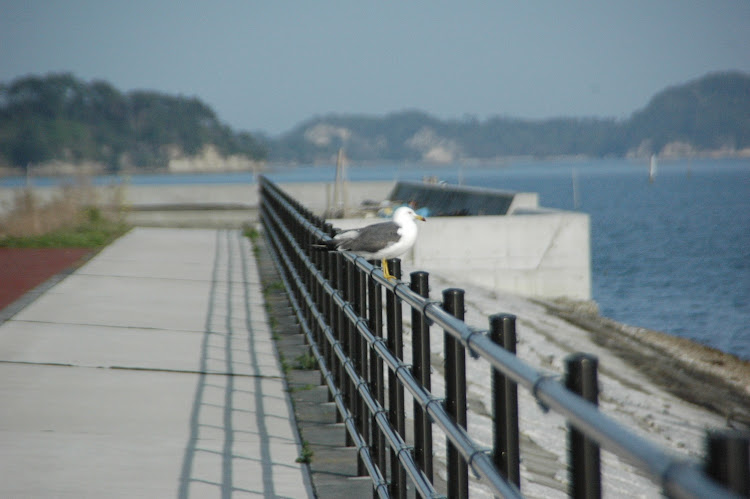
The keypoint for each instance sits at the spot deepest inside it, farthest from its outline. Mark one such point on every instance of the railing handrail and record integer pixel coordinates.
(678, 477)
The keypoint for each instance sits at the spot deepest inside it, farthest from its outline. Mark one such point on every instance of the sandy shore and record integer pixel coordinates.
(679, 365)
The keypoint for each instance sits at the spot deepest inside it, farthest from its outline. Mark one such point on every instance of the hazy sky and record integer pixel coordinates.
(270, 65)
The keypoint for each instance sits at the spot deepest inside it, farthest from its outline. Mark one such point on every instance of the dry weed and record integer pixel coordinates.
(70, 207)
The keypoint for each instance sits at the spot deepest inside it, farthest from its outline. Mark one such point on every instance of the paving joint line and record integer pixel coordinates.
(136, 368)
(116, 326)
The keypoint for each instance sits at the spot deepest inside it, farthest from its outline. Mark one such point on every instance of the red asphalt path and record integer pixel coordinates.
(23, 269)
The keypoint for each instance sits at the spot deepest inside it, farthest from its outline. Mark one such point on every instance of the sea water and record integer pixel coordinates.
(671, 255)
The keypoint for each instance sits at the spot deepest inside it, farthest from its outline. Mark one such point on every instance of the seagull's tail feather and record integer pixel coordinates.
(329, 245)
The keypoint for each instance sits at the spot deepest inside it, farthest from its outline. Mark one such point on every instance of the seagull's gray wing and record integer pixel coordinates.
(371, 239)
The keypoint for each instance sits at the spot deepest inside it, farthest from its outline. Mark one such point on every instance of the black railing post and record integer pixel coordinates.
(342, 335)
(316, 293)
(360, 359)
(420, 351)
(377, 384)
(352, 341)
(325, 313)
(455, 394)
(307, 280)
(728, 459)
(395, 344)
(333, 322)
(505, 404)
(584, 465)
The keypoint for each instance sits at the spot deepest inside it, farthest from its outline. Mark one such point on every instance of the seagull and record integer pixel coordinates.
(380, 241)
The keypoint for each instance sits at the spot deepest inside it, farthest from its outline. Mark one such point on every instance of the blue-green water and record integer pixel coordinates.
(672, 255)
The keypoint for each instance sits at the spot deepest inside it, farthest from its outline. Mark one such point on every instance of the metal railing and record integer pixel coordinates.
(338, 300)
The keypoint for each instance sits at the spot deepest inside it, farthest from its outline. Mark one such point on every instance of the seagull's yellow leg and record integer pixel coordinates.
(386, 273)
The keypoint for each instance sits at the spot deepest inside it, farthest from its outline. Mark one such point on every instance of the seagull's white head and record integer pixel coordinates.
(404, 214)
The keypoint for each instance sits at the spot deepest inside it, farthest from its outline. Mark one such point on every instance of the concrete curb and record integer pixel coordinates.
(333, 466)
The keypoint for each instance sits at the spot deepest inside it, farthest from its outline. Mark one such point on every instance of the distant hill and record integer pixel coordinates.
(57, 117)
(60, 118)
(706, 115)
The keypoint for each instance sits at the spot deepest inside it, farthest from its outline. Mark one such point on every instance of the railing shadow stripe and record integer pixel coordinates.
(260, 416)
(226, 455)
(192, 444)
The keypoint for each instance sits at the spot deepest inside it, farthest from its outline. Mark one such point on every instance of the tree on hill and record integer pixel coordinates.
(710, 113)
(57, 117)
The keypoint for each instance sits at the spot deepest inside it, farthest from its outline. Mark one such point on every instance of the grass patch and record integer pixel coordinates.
(273, 287)
(302, 388)
(306, 454)
(273, 322)
(86, 235)
(286, 367)
(307, 362)
(251, 233)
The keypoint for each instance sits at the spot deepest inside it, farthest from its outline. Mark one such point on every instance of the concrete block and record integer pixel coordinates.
(543, 253)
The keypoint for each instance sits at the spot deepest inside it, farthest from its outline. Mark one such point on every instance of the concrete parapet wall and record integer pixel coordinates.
(540, 253)
(318, 196)
(206, 218)
(524, 200)
(207, 205)
(141, 196)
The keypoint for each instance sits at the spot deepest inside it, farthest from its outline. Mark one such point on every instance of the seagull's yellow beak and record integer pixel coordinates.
(420, 217)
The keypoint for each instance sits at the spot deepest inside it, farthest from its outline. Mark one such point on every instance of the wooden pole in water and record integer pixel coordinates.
(340, 188)
(652, 169)
(337, 202)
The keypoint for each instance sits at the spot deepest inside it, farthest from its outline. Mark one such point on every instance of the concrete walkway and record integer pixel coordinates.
(149, 372)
